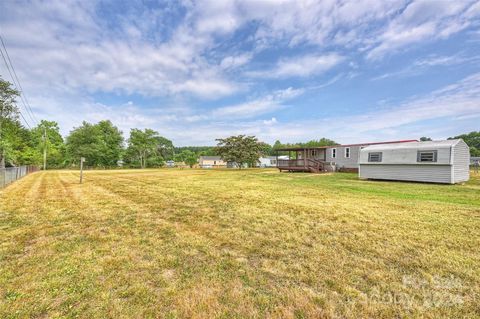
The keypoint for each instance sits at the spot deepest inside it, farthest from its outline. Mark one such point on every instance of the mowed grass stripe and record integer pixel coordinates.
(254, 243)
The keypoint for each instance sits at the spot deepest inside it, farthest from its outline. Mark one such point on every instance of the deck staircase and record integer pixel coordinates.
(315, 166)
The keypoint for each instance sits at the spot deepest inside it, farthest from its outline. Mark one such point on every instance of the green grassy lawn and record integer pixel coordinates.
(234, 244)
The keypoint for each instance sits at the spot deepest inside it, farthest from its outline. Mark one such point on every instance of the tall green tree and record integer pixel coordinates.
(277, 145)
(8, 117)
(20, 148)
(101, 144)
(148, 148)
(240, 149)
(112, 146)
(188, 157)
(191, 159)
(312, 143)
(165, 147)
(266, 149)
(143, 144)
(52, 142)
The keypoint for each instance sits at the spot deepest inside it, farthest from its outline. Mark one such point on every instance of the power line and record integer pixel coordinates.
(29, 109)
(16, 83)
(8, 68)
(25, 120)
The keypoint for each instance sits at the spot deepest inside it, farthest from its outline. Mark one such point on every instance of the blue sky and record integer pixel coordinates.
(352, 71)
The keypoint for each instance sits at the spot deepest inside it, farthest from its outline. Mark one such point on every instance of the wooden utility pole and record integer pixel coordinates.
(2, 151)
(44, 147)
(82, 159)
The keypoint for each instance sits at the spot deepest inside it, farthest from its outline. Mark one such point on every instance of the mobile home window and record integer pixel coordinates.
(375, 157)
(334, 152)
(347, 152)
(426, 156)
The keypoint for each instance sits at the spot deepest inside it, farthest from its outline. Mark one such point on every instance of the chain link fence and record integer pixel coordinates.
(11, 174)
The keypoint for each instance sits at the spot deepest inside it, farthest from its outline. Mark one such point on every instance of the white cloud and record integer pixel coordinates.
(419, 66)
(422, 21)
(302, 66)
(188, 51)
(266, 104)
(315, 22)
(272, 121)
(460, 98)
(307, 65)
(68, 46)
(454, 103)
(459, 101)
(230, 62)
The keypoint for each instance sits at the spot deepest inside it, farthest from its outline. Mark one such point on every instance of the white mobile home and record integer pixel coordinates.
(432, 161)
(325, 158)
(270, 161)
(345, 157)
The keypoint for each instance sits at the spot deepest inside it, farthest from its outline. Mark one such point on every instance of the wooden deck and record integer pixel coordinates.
(301, 165)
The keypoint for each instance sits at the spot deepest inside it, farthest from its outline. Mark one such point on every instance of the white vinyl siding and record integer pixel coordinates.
(418, 173)
(461, 160)
(436, 161)
(340, 160)
(405, 155)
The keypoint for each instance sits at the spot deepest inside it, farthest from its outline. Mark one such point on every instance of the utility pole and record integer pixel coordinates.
(82, 159)
(44, 147)
(2, 150)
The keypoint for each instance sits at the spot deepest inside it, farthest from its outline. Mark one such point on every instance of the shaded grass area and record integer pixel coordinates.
(253, 243)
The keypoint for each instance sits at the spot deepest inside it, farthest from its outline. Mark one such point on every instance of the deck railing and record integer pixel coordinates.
(298, 162)
(291, 163)
(309, 163)
(11, 174)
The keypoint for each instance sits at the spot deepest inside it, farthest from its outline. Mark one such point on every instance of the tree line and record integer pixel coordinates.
(102, 144)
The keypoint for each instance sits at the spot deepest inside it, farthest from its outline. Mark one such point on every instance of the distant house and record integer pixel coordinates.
(211, 162)
(217, 162)
(270, 161)
(430, 161)
(170, 163)
(325, 158)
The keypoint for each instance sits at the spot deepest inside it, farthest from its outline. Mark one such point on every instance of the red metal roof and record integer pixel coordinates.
(343, 145)
(375, 143)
